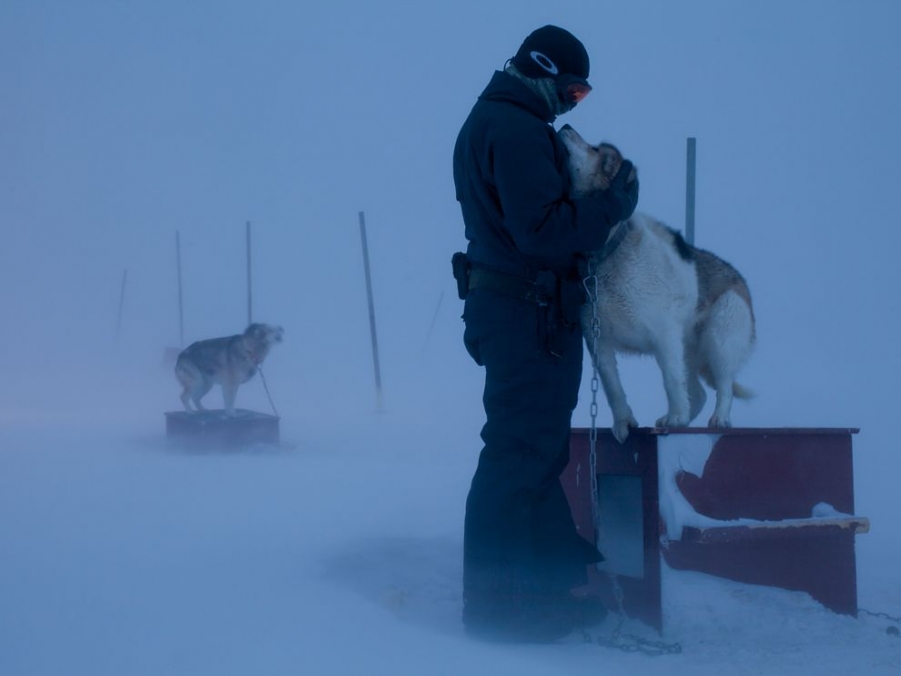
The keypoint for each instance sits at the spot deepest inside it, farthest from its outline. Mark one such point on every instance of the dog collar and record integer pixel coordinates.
(615, 238)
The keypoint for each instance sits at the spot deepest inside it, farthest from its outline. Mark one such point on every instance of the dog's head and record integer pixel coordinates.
(259, 338)
(591, 167)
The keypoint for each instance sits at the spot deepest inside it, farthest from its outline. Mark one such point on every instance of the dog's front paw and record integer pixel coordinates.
(621, 427)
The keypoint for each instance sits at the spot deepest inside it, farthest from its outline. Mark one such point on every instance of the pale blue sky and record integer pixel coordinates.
(121, 123)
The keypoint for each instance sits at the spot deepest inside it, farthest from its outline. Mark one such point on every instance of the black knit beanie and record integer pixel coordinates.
(551, 51)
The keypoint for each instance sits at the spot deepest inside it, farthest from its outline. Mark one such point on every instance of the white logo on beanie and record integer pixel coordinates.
(545, 62)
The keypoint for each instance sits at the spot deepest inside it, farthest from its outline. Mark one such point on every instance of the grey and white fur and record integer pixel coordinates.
(229, 362)
(658, 295)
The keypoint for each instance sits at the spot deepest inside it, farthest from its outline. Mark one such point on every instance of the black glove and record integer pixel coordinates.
(622, 194)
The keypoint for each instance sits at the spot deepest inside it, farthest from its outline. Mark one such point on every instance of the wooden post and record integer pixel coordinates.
(181, 308)
(690, 190)
(375, 342)
(249, 283)
(121, 302)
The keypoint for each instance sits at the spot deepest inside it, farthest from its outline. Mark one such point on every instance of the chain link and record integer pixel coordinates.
(591, 289)
(630, 643)
(884, 616)
(617, 639)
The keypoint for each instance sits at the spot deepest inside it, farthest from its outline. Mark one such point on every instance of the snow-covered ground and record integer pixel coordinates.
(338, 553)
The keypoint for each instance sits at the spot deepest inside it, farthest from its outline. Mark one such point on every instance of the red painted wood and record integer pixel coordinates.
(764, 474)
(773, 476)
(638, 457)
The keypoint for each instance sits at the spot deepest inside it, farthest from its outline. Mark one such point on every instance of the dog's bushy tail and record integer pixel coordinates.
(742, 392)
(738, 391)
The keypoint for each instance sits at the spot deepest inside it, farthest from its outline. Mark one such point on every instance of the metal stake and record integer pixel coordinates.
(249, 284)
(375, 342)
(690, 190)
(181, 310)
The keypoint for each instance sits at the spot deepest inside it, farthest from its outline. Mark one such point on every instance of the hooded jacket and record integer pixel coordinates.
(513, 187)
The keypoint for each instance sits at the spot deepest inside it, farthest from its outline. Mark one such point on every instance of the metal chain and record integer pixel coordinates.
(266, 387)
(591, 289)
(884, 616)
(630, 643)
(619, 640)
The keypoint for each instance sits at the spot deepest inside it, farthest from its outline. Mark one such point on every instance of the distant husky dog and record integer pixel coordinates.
(228, 361)
(658, 295)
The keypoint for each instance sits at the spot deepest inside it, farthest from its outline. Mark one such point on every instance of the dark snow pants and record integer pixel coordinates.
(520, 542)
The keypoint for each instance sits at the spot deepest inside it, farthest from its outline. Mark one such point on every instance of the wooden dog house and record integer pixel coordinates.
(763, 506)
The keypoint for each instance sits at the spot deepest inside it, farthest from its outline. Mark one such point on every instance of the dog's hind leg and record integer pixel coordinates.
(726, 344)
(670, 355)
(190, 379)
(722, 414)
(186, 397)
(697, 396)
(198, 392)
(623, 418)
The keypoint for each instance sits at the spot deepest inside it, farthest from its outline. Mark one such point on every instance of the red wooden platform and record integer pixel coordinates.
(762, 506)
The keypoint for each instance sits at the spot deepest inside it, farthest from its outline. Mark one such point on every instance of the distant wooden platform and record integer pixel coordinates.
(214, 429)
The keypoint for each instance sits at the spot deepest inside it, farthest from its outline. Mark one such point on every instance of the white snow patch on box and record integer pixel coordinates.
(682, 453)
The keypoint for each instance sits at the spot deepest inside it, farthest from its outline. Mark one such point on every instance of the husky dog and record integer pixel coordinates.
(228, 361)
(656, 294)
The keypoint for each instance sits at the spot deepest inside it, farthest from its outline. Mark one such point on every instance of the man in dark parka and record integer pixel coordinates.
(521, 278)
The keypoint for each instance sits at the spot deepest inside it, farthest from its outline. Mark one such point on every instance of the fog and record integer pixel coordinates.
(123, 123)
